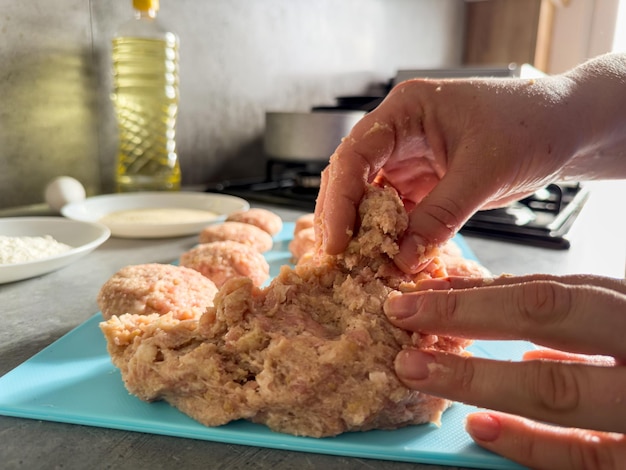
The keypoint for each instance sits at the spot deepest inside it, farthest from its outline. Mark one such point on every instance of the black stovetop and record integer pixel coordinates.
(543, 219)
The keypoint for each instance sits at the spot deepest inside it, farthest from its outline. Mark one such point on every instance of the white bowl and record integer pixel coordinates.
(83, 237)
(93, 209)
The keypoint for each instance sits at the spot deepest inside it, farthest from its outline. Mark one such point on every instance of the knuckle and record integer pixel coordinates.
(588, 454)
(444, 214)
(464, 374)
(448, 306)
(402, 87)
(543, 302)
(528, 447)
(556, 388)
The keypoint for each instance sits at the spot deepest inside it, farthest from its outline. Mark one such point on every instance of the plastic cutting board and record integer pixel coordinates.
(73, 381)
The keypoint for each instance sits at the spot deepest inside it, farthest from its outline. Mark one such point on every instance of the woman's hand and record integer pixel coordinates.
(450, 147)
(578, 385)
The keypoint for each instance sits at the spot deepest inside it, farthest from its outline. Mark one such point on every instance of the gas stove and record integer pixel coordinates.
(542, 219)
(286, 184)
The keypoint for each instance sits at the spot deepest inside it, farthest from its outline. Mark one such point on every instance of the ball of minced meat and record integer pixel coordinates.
(302, 222)
(240, 232)
(266, 220)
(457, 265)
(156, 288)
(303, 242)
(223, 260)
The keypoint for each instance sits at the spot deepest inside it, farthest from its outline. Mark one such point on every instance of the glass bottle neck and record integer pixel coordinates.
(141, 14)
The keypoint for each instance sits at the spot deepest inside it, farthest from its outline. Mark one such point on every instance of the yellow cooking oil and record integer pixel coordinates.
(145, 97)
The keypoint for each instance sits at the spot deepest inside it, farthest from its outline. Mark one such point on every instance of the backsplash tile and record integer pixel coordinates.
(47, 115)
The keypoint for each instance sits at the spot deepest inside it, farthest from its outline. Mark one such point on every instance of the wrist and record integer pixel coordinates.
(597, 116)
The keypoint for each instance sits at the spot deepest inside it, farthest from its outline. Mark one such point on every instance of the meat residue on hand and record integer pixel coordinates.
(311, 354)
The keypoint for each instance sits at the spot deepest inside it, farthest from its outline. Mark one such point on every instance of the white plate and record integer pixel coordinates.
(94, 208)
(83, 237)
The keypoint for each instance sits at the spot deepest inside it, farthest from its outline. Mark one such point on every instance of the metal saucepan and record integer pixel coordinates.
(306, 137)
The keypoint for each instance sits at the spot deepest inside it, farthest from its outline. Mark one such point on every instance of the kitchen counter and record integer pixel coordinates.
(37, 312)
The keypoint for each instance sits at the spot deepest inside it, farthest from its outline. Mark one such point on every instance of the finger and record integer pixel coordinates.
(618, 285)
(336, 207)
(575, 318)
(567, 394)
(394, 129)
(413, 180)
(438, 217)
(354, 163)
(545, 447)
(319, 222)
(556, 355)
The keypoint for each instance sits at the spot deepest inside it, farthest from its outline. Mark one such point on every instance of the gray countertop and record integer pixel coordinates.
(38, 311)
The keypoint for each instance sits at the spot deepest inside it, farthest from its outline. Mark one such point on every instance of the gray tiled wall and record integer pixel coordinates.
(239, 58)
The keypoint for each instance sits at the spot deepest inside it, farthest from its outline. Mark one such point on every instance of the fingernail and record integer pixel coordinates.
(412, 364)
(483, 426)
(401, 306)
(413, 254)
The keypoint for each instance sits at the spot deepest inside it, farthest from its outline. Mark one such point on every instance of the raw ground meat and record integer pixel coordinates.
(156, 288)
(223, 260)
(241, 232)
(302, 243)
(266, 220)
(312, 354)
(452, 257)
(302, 222)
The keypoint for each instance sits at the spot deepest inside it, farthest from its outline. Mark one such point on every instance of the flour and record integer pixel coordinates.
(23, 249)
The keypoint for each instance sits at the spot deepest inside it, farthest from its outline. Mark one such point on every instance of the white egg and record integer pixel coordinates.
(63, 190)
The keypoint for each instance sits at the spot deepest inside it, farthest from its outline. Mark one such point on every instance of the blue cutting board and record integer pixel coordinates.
(73, 381)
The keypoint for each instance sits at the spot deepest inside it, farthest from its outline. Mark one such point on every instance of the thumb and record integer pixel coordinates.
(438, 217)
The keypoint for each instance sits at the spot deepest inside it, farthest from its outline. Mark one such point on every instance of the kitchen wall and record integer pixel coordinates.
(239, 58)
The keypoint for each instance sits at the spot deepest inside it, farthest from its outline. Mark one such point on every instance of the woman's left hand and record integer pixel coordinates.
(579, 385)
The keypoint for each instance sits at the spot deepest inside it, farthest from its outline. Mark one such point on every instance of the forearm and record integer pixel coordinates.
(598, 101)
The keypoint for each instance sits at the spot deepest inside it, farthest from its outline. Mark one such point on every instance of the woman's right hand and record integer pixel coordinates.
(452, 147)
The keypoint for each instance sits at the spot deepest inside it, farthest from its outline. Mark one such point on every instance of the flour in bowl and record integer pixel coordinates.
(15, 250)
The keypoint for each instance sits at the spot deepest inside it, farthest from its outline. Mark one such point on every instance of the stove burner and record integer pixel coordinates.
(287, 184)
(308, 181)
(542, 219)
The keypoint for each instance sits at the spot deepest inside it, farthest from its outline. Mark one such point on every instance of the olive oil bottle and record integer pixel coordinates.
(146, 97)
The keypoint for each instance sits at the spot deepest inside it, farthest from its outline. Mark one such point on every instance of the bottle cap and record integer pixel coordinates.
(145, 5)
